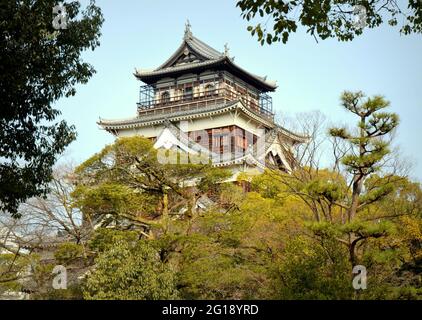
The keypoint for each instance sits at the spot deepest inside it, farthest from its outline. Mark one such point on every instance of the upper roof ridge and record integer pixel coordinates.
(193, 43)
(203, 55)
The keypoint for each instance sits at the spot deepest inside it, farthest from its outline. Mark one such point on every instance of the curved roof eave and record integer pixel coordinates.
(224, 60)
(294, 136)
(130, 123)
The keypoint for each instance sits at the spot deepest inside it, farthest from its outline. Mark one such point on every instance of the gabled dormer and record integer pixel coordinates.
(191, 51)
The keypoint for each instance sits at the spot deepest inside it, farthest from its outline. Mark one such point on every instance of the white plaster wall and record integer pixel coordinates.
(222, 120)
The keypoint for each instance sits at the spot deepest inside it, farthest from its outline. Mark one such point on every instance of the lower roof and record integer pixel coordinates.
(161, 118)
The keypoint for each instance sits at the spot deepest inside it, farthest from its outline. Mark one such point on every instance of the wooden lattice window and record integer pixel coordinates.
(165, 97)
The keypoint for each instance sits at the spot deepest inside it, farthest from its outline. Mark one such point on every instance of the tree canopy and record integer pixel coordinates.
(142, 235)
(343, 20)
(39, 66)
(131, 271)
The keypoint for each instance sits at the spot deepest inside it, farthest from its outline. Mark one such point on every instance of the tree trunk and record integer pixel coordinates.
(359, 177)
(357, 190)
(165, 211)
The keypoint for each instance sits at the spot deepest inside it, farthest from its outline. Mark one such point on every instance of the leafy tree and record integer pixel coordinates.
(266, 185)
(395, 261)
(39, 66)
(125, 182)
(327, 18)
(295, 236)
(334, 197)
(315, 270)
(364, 209)
(12, 267)
(41, 276)
(103, 239)
(68, 252)
(131, 272)
(236, 255)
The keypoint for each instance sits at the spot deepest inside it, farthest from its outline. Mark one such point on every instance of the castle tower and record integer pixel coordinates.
(200, 102)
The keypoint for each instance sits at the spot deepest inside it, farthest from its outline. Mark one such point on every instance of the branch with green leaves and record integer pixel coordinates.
(276, 20)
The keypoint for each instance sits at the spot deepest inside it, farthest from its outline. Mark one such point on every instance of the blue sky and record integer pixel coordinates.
(310, 75)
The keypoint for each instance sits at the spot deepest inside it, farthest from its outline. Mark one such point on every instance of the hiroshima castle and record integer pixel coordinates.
(200, 101)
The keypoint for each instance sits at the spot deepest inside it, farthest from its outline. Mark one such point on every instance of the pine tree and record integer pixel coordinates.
(368, 149)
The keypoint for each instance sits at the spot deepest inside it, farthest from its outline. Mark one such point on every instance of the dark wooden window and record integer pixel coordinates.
(225, 139)
(188, 93)
(165, 97)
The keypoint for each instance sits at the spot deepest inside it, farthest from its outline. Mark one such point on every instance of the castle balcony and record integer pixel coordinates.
(153, 101)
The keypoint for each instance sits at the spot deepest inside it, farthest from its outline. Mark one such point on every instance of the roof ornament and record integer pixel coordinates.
(226, 49)
(188, 31)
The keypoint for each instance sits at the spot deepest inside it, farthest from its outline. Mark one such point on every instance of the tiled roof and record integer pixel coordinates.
(196, 45)
(292, 135)
(181, 67)
(202, 48)
(118, 124)
(210, 56)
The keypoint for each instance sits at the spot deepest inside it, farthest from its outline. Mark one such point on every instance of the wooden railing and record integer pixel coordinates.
(193, 101)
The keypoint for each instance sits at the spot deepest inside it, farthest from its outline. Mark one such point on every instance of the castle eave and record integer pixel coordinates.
(222, 63)
(160, 118)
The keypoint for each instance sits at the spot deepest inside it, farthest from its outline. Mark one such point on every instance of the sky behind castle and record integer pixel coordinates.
(310, 75)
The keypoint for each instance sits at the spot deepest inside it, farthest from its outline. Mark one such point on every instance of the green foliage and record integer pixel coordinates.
(39, 66)
(67, 252)
(127, 181)
(325, 188)
(39, 281)
(377, 188)
(369, 148)
(324, 229)
(222, 272)
(369, 229)
(73, 292)
(236, 255)
(315, 270)
(269, 247)
(266, 185)
(231, 194)
(9, 270)
(113, 200)
(131, 272)
(103, 239)
(327, 19)
(292, 237)
(222, 262)
(212, 178)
